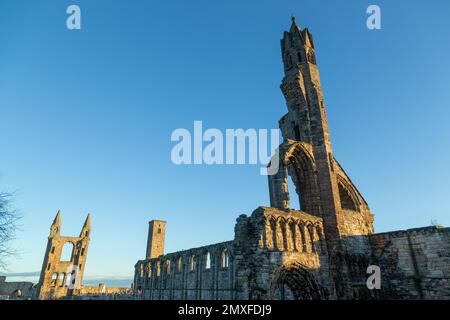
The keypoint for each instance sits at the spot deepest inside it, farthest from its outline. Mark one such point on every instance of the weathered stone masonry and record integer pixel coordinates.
(62, 274)
(415, 262)
(63, 278)
(279, 238)
(319, 252)
(199, 273)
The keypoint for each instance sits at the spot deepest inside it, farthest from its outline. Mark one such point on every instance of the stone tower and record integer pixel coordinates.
(306, 156)
(156, 236)
(63, 278)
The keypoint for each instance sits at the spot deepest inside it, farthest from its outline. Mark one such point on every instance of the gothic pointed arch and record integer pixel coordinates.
(295, 282)
(348, 196)
(295, 161)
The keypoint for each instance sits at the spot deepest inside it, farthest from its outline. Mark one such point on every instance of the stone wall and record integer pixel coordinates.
(282, 254)
(270, 246)
(276, 248)
(199, 273)
(415, 263)
(102, 289)
(102, 292)
(17, 290)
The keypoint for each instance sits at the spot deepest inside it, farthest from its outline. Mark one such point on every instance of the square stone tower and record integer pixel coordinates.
(156, 237)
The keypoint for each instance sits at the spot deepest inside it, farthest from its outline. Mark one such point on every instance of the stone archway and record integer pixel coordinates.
(296, 163)
(295, 282)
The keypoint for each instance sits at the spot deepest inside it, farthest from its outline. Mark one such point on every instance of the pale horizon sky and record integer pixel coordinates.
(87, 115)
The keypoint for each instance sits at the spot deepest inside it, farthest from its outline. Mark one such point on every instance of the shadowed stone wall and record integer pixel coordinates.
(199, 273)
(253, 266)
(415, 263)
(17, 290)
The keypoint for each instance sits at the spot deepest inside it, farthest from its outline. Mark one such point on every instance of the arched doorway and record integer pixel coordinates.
(295, 282)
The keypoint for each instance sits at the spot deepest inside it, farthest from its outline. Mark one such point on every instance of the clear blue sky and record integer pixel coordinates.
(86, 116)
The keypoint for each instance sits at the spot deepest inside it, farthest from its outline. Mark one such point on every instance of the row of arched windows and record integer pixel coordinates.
(192, 264)
(63, 279)
(291, 235)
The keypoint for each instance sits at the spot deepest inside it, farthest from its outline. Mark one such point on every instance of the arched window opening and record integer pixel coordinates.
(207, 260)
(295, 185)
(310, 229)
(273, 227)
(158, 269)
(293, 195)
(61, 279)
(192, 263)
(298, 238)
(347, 202)
(54, 278)
(299, 57)
(293, 235)
(149, 270)
(70, 279)
(304, 237)
(319, 233)
(284, 242)
(66, 253)
(179, 264)
(225, 258)
(168, 267)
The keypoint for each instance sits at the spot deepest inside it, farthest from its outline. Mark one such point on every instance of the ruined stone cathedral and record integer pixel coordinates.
(322, 251)
(60, 278)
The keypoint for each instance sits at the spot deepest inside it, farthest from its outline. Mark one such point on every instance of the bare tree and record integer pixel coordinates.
(8, 226)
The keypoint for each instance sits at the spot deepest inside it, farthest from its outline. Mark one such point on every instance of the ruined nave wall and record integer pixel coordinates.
(204, 273)
(414, 263)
